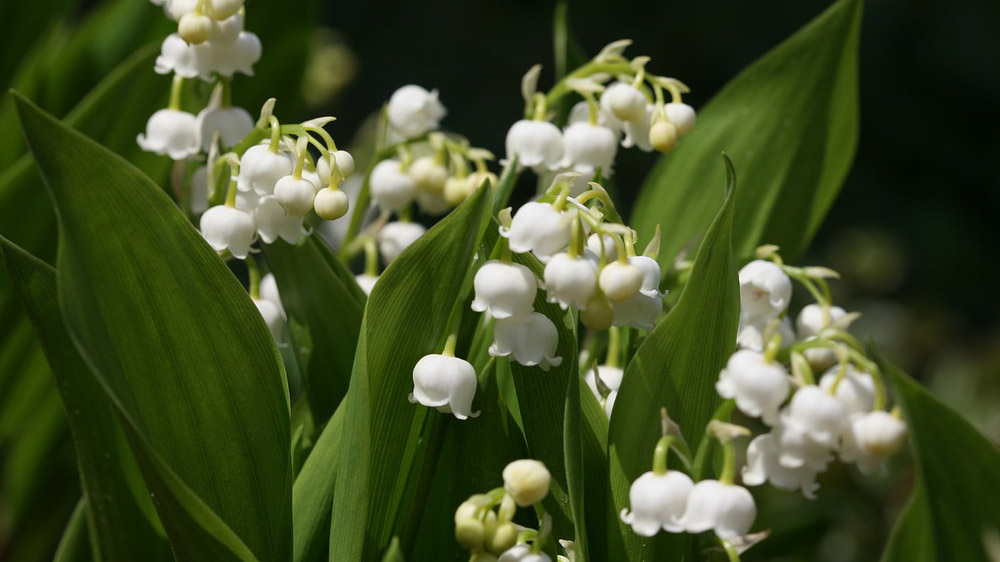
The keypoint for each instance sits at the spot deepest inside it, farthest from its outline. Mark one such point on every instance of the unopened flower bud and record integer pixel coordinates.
(456, 190)
(412, 111)
(682, 116)
(469, 529)
(503, 537)
(428, 174)
(663, 136)
(194, 28)
(296, 195)
(527, 481)
(331, 204)
(620, 281)
(599, 314)
(222, 9)
(345, 162)
(624, 101)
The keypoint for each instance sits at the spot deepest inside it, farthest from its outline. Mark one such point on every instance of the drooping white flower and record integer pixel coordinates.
(531, 339)
(261, 168)
(269, 291)
(609, 403)
(581, 113)
(504, 290)
(570, 281)
(682, 116)
(396, 237)
(366, 282)
(650, 275)
(428, 174)
(620, 281)
(198, 199)
(176, 9)
(391, 188)
(185, 60)
(226, 31)
(872, 437)
(537, 144)
(856, 390)
(273, 317)
(589, 147)
(658, 502)
(763, 466)
(273, 221)
(446, 383)
(228, 228)
(624, 101)
(171, 132)
(638, 311)
(539, 228)
(413, 111)
(811, 423)
(727, 509)
(232, 124)
(751, 333)
(611, 377)
(522, 553)
(344, 161)
(765, 290)
(296, 195)
(239, 56)
(637, 131)
(810, 322)
(527, 481)
(759, 386)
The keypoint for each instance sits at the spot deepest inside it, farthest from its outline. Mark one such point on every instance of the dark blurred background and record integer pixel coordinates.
(914, 231)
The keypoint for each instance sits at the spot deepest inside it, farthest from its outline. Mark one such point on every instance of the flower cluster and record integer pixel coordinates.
(484, 522)
(843, 412)
(622, 105)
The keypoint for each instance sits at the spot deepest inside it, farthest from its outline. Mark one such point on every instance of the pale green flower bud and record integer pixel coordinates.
(527, 481)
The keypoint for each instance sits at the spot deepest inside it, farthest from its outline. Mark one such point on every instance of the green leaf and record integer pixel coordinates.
(75, 544)
(120, 518)
(790, 123)
(911, 539)
(319, 294)
(405, 319)
(312, 494)
(957, 471)
(676, 367)
(195, 375)
(573, 451)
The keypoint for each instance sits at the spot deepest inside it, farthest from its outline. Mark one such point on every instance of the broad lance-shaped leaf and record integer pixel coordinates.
(405, 319)
(321, 298)
(178, 345)
(676, 367)
(790, 123)
(312, 494)
(955, 509)
(121, 520)
(912, 539)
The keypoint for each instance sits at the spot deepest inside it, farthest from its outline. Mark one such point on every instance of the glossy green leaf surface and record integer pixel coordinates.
(193, 373)
(405, 319)
(790, 124)
(312, 494)
(122, 529)
(676, 367)
(955, 508)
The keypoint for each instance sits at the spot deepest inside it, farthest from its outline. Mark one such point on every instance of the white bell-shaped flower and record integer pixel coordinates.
(758, 386)
(522, 553)
(413, 111)
(727, 509)
(396, 237)
(428, 174)
(611, 377)
(232, 124)
(765, 290)
(658, 502)
(810, 322)
(171, 132)
(176, 9)
(624, 101)
(539, 228)
(239, 56)
(620, 281)
(527, 481)
(589, 147)
(226, 31)
(269, 291)
(274, 222)
(504, 290)
(446, 383)
(537, 144)
(228, 228)
(856, 390)
(432, 203)
(751, 333)
(637, 131)
(871, 438)
(391, 188)
(811, 423)
(581, 113)
(763, 466)
(609, 403)
(530, 339)
(345, 164)
(296, 195)
(261, 168)
(681, 115)
(366, 282)
(570, 281)
(273, 317)
(188, 61)
(638, 311)
(650, 275)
